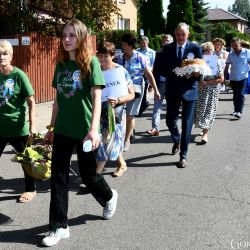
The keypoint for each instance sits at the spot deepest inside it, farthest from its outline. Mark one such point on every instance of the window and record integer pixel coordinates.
(123, 23)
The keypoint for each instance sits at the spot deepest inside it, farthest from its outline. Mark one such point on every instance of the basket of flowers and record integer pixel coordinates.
(193, 68)
(36, 158)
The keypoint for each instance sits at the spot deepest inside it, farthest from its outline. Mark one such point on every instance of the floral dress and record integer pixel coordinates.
(206, 105)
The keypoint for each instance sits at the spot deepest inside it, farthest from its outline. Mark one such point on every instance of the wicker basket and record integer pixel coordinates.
(36, 159)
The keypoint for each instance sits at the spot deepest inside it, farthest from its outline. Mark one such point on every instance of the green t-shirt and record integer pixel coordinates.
(14, 88)
(74, 98)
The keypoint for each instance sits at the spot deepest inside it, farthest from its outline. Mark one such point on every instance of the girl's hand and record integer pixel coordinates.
(94, 137)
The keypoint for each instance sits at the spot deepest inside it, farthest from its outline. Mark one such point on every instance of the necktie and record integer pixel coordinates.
(179, 56)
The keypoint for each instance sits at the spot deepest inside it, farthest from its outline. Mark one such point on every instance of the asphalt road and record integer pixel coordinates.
(160, 207)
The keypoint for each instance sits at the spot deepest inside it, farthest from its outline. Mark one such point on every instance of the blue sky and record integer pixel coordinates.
(223, 4)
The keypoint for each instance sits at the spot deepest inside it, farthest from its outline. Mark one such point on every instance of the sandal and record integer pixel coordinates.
(26, 197)
(120, 170)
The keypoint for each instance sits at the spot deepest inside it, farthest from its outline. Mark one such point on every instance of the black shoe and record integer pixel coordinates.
(175, 148)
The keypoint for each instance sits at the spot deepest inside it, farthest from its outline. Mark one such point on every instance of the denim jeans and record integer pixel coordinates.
(156, 117)
(19, 144)
(62, 151)
(238, 88)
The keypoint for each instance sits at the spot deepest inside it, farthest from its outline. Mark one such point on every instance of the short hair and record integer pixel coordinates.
(207, 46)
(5, 46)
(106, 48)
(235, 40)
(144, 38)
(245, 44)
(167, 36)
(182, 25)
(129, 39)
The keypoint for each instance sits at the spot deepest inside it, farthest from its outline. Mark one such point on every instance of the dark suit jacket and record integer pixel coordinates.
(157, 65)
(180, 86)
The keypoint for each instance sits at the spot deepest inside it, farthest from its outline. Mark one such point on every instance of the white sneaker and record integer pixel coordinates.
(109, 209)
(233, 114)
(55, 236)
(238, 115)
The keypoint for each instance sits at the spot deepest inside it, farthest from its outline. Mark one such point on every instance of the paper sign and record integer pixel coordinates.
(118, 54)
(212, 61)
(116, 84)
(13, 42)
(25, 40)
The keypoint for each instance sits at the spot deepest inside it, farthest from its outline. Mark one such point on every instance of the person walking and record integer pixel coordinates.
(239, 59)
(137, 66)
(150, 55)
(119, 90)
(15, 93)
(161, 82)
(78, 81)
(208, 97)
(180, 90)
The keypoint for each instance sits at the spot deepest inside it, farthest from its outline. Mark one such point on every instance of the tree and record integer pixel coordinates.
(150, 17)
(200, 20)
(98, 15)
(15, 17)
(179, 11)
(241, 8)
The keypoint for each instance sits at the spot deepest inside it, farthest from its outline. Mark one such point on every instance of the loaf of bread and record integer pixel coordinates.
(187, 62)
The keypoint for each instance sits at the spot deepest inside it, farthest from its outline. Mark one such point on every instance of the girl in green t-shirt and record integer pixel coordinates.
(75, 119)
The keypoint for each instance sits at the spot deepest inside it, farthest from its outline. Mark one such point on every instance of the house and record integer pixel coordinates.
(128, 18)
(220, 15)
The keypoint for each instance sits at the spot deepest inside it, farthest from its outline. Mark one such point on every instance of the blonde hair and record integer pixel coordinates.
(207, 46)
(220, 40)
(84, 50)
(5, 46)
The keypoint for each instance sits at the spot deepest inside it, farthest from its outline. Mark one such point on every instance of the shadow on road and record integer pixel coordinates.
(34, 236)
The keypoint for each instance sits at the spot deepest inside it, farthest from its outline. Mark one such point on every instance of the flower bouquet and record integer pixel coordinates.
(193, 68)
(36, 158)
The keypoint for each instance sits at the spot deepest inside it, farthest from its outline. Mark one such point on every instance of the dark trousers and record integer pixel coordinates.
(238, 88)
(144, 98)
(173, 106)
(62, 151)
(19, 144)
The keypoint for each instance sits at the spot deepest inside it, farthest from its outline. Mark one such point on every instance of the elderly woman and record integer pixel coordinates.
(15, 92)
(117, 96)
(208, 96)
(137, 66)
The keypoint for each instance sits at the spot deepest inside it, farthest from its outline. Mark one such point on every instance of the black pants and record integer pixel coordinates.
(62, 151)
(144, 101)
(19, 144)
(238, 88)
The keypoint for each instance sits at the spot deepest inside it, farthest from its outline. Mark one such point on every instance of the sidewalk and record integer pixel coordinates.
(43, 115)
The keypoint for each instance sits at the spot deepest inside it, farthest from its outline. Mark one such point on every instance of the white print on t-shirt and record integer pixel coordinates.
(9, 87)
(77, 84)
(116, 83)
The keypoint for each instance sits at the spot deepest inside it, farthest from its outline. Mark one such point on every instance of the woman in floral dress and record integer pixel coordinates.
(208, 96)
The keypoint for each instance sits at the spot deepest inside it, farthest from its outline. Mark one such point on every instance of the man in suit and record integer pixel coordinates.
(181, 91)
